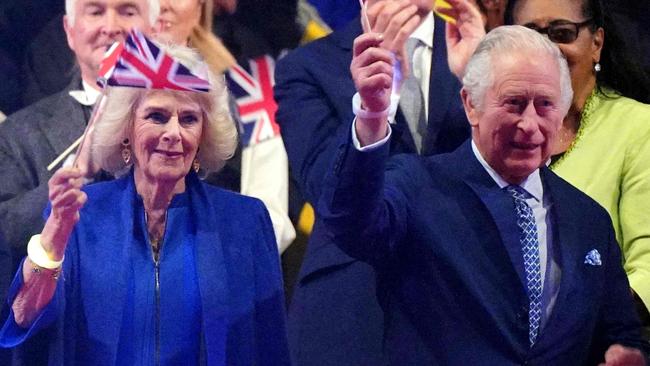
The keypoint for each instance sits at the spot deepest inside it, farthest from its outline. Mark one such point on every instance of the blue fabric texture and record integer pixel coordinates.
(220, 299)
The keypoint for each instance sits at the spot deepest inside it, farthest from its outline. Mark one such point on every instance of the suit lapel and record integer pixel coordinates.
(499, 205)
(67, 122)
(568, 247)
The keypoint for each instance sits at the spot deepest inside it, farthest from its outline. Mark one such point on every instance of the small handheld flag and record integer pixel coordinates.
(138, 62)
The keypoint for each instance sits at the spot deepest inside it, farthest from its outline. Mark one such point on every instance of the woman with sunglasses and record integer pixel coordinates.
(603, 147)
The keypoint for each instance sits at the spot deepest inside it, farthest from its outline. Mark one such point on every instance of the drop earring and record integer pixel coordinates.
(196, 165)
(126, 151)
(597, 67)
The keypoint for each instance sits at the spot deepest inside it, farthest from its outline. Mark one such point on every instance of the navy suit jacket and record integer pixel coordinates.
(433, 229)
(334, 317)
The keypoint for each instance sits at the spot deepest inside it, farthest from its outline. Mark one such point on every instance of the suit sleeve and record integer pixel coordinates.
(364, 204)
(271, 333)
(311, 125)
(22, 199)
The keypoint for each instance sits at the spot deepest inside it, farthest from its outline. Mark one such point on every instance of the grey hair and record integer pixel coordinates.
(509, 40)
(153, 10)
(219, 136)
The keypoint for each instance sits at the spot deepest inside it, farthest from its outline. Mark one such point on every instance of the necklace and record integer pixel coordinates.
(590, 106)
(155, 239)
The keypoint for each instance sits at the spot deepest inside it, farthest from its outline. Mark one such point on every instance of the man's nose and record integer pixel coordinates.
(114, 26)
(529, 120)
(165, 5)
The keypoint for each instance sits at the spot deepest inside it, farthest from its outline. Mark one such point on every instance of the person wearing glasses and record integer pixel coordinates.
(604, 142)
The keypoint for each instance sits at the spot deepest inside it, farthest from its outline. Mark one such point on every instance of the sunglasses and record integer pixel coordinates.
(561, 31)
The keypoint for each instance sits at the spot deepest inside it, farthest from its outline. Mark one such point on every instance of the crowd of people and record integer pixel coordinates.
(416, 182)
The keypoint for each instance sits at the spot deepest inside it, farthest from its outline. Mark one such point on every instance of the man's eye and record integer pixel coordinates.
(129, 11)
(94, 11)
(514, 102)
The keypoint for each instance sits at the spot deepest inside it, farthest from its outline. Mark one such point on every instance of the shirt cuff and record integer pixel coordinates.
(374, 145)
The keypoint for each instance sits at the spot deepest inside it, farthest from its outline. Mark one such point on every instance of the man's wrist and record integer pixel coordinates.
(360, 112)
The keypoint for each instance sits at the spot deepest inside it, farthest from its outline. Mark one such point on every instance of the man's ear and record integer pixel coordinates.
(470, 109)
(67, 27)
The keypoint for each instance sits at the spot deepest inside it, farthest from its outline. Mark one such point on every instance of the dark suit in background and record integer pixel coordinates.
(436, 231)
(334, 317)
(30, 140)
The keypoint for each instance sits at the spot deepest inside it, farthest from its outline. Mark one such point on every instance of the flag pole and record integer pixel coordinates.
(81, 140)
(364, 16)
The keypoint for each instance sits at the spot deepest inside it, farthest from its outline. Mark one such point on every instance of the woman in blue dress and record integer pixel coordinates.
(155, 267)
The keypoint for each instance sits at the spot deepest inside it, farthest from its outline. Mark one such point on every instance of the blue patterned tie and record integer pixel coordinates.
(530, 250)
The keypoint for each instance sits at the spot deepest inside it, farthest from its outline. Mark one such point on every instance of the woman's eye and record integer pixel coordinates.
(188, 119)
(157, 117)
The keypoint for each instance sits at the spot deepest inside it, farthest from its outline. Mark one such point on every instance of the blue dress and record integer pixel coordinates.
(215, 296)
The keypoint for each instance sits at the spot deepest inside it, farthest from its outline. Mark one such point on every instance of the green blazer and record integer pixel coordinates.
(610, 161)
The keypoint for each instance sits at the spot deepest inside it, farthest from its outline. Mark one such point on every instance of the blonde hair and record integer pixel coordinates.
(214, 52)
(219, 137)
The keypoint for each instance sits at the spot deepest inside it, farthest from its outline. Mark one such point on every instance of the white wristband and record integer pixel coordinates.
(38, 256)
(362, 113)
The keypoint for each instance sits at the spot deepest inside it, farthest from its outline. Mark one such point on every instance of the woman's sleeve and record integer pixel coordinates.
(270, 316)
(634, 211)
(11, 333)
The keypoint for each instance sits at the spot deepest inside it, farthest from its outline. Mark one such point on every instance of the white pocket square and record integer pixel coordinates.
(593, 258)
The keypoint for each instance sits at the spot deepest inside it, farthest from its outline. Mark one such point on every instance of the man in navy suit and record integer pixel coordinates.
(483, 255)
(334, 317)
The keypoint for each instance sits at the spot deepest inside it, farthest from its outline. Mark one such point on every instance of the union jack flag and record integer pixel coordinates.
(138, 62)
(253, 92)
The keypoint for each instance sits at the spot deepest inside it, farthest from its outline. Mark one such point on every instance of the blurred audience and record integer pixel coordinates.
(604, 143)
(493, 12)
(337, 13)
(49, 64)
(20, 23)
